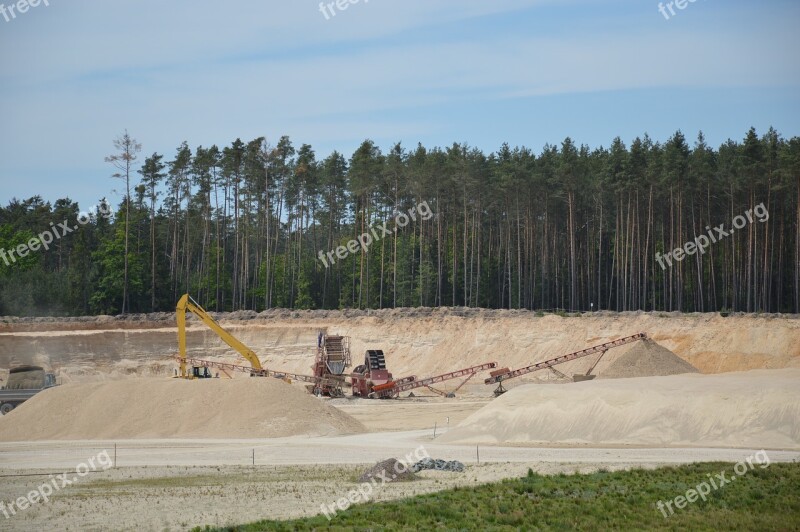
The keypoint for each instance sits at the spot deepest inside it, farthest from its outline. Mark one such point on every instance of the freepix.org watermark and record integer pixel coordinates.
(401, 219)
(680, 4)
(47, 237)
(329, 9)
(714, 482)
(10, 12)
(56, 483)
(716, 234)
(365, 489)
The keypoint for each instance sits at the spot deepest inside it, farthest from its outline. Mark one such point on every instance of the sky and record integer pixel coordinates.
(75, 74)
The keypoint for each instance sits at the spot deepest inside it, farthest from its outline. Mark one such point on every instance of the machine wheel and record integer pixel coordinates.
(6, 408)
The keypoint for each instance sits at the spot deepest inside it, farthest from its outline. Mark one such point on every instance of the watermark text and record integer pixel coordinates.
(48, 236)
(703, 241)
(375, 234)
(329, 9)
(364, 490)
(714, 482)
(56, 483)
(21, 7)
(680, 4)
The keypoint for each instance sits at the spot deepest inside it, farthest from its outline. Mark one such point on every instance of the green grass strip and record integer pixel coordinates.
(761, 499)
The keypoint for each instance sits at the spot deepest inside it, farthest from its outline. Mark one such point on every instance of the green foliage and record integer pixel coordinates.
(304, 299)
(11, 260)
(761, 499)
(239, 227)
(107, 297)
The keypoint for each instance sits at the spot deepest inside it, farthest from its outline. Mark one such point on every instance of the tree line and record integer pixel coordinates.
(244, 227)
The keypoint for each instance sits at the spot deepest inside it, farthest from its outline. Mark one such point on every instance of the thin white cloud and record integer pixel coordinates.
(91, 37)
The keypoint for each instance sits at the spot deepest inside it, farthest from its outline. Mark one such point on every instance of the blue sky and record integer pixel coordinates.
(77, 73)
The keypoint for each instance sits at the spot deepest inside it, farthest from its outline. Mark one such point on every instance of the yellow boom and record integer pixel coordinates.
(187, 303)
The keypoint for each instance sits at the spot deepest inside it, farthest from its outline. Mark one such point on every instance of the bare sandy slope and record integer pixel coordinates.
(174, 408)
(748, 409)
(418, 342)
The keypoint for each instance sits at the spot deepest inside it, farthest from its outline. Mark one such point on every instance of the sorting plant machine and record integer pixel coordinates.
(333, 358)
(373, 380)
(394, 388)
(504, 374)
(371, 373)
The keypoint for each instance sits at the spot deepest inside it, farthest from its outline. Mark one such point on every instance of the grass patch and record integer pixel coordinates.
(761, 499)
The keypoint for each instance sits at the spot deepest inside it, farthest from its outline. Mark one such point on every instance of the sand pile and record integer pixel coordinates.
(647, 359)
(755, 409)
(174, 408)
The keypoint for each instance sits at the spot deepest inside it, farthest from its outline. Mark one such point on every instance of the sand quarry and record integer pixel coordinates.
(229, 451)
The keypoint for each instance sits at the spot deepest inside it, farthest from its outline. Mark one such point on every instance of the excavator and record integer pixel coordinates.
(186, 303)
(333, 356)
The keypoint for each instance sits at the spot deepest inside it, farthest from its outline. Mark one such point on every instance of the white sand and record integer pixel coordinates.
(758, 409)
(174, 408)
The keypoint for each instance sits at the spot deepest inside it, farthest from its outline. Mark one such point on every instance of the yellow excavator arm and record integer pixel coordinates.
(187, 303)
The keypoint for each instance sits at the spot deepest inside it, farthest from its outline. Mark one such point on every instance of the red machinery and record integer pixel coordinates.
(371, 373)
(497, 377)
(333, 357)
(394, 388)
(373, 380)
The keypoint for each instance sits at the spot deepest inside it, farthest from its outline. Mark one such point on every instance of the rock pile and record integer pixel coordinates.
(388, 471)
(438, 465)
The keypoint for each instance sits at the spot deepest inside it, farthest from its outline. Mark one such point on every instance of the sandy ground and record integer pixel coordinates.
(178, 484)
(175, 485)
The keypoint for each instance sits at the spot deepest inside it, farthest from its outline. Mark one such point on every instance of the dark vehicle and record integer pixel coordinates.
(23, 383)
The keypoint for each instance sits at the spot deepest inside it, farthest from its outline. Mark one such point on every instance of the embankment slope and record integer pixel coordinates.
(174, 408)
(416, 341)
(755, 409)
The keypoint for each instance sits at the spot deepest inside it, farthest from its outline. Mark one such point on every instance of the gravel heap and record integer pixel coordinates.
(647, 359)
(388, 471)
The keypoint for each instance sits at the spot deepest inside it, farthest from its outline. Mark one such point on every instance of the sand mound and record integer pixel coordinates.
(756, 409)
(174, 408)
(647, 359)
